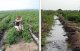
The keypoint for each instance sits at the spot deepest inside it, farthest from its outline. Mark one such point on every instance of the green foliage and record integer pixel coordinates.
(11, 36)
(7, 23)
(72, 15)
(4, 23)
(78, 19)
(47, 21)
(26, 36)
(72, 18)
(60, 11)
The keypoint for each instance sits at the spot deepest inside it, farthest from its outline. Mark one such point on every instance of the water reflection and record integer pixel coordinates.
(56, 40)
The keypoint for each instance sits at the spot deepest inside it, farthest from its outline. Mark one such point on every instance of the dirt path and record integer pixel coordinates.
(22, 46)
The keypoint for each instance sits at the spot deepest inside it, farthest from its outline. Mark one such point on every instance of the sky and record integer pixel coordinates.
(18, 4)
(60, 4)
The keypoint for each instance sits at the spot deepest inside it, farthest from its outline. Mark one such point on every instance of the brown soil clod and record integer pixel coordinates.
(73, 30)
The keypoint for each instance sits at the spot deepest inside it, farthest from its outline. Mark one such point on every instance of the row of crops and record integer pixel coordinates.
(46, 23)
(7, 19)
(71, 15)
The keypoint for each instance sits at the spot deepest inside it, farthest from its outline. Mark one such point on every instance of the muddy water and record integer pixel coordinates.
(57, 40)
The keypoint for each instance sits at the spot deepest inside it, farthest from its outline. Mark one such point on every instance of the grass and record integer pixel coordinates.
(47, 21)
(7, 19)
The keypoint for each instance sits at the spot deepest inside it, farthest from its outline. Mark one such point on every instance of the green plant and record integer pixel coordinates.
(26, 36)
(11, 37)
(47, 21)
(72, 18)
(28, 16)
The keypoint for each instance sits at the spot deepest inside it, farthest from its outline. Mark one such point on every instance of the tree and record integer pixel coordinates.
(60, 11)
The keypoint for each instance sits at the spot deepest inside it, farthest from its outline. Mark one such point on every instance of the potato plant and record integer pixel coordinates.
(7, 23)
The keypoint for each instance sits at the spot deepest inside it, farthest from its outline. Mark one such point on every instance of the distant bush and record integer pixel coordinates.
(72, 15)
(72, 18)
(78, 19)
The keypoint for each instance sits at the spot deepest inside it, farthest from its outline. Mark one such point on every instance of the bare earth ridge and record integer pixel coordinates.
(22, 46)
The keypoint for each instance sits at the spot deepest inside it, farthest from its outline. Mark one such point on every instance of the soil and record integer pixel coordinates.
(22, 46)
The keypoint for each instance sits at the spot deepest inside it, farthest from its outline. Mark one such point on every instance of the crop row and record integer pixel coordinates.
(7, 24)
(46, 23)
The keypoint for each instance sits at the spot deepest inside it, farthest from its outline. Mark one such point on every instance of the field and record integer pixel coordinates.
(7, 19)
(46, 23)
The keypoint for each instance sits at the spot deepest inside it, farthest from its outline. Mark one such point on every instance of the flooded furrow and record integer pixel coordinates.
(57, 40)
